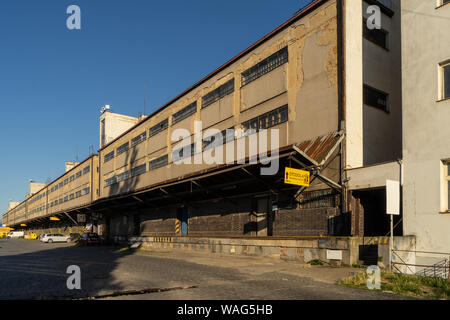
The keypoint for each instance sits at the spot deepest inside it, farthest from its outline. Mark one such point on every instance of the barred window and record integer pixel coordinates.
(184, 113)
(140, 138)
(123, 148)
(271, 63)
(179, 154)
(139, 170)
(110, 181)
(123, 176)
(218, 93)
(109, 156)
(87, 169)
(86, 191)
(159, 127)
(159, 163)
(267, 120)
(219, 139)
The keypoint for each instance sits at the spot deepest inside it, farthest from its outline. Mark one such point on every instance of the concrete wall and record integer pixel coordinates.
(425, 124)
(113, 125)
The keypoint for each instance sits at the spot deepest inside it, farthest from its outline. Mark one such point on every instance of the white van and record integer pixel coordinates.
(15, 235)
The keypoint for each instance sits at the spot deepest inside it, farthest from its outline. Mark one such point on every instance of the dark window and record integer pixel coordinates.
(218, 93)
(66, 181)
(267, 120)
(79, 173)
(447, 81)
(159, 127)
(109, 156)
(159, 163)
(78, 194)
(86, 191)
(72, 178)
(274, 61)
(139, 170)
(140, 138)
(123, 148)
(376, 98)
(72, 196)
(184, 113)
(377, 36)
(66, 198)
(87, 169)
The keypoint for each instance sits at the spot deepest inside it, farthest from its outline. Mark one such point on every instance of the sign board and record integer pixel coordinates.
(81, 218)
(296, 177)
(334, 254)
(392, 197)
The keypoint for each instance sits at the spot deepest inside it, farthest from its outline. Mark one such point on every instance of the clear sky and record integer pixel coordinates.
(53, 81)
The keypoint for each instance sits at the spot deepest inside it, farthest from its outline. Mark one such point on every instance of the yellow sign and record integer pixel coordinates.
(23, 225)
(54, 219)
(296, 177)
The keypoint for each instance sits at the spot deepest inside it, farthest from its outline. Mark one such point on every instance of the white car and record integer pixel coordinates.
(15, 235)
(55, 237)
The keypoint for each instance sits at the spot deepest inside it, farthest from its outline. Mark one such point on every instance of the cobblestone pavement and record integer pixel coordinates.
(35, 270)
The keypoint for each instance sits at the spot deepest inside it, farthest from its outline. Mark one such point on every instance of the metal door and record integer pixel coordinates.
(184, 221)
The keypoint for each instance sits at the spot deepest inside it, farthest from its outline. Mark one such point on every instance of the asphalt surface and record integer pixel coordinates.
(34, 270)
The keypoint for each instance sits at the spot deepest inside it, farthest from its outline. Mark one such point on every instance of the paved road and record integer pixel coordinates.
(34, 270)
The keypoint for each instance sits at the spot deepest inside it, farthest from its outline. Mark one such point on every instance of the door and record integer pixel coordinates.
(183, 216)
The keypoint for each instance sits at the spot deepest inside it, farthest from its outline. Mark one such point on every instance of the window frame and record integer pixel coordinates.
(387, 109)
(386, 33)
(443, 67)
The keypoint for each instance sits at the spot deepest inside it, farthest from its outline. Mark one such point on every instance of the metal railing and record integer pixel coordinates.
(440, 269)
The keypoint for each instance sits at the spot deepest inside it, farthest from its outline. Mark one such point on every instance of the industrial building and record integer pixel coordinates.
(325, 89)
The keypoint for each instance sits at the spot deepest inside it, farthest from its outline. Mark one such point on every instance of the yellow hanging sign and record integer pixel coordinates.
(297, 177)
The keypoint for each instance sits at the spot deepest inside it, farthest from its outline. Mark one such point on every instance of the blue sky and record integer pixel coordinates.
(53, 81)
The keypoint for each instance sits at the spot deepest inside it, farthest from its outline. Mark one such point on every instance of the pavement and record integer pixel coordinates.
(30, 269)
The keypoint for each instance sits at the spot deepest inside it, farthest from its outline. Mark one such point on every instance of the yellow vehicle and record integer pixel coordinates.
(4, 231)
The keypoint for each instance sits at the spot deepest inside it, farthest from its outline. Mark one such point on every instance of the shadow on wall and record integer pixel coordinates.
(118, 219)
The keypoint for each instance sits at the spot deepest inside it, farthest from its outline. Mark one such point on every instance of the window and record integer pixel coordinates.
(218, 93)
(123, 148)
(376, 98)
(274, 61)
(61, 184)
(123, 176)
(140, 138)
(110, 181)
(66, 181)
(109, 156)
(179, 154)
(66, 198)
(139, 170)
(86, 191)
(87, 169)
(447, 182)
(159, 127)
(159, 163)
(78, 174)
(184, 113)
(445, 70)
(219, 139)
(267, 120)
(377, 36)
(78, 194)
(72, 178)
(72, 196)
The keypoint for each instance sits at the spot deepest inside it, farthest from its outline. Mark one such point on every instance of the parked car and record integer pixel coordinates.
(90, 238)
(74, 237)
(15, 235)
(54, 237)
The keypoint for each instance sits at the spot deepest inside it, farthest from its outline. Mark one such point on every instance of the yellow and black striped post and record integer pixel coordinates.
(178, 227)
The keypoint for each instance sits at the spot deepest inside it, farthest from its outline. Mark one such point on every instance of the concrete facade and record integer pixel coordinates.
(425, 47)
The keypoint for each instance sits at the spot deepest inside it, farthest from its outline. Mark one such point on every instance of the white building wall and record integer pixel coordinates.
(426, 129)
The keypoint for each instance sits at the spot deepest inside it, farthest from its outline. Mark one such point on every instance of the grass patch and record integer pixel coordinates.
(402, 284)
(316, 262)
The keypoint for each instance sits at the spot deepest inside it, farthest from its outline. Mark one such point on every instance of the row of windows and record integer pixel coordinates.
(267, 120)
(218, 93)
(126, 175)
(72, 196)
(72, 178)
(274, 61)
